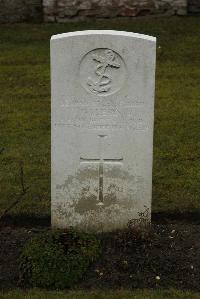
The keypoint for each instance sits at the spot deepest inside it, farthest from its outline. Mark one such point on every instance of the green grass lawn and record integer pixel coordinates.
(144, 294)
(25, 111)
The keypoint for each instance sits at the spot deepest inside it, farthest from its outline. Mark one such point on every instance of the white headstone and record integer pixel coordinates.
(102, 128)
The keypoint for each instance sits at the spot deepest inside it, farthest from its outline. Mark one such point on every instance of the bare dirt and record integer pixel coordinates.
(166, 256)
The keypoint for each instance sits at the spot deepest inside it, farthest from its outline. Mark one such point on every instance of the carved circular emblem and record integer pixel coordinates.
(102, 72)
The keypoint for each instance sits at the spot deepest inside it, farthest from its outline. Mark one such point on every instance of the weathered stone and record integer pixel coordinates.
(49, 19)
(55, 10)
(128, 12)
(49, 10)
(102, 128)
(85, 5)
(114, 8)
(67, 12)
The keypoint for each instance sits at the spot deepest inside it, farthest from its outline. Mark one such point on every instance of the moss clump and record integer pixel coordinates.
(57, 259)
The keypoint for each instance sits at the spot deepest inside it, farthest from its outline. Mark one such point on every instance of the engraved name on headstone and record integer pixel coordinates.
(102, 128)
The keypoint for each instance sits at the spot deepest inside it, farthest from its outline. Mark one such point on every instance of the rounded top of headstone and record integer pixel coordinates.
(104, 32)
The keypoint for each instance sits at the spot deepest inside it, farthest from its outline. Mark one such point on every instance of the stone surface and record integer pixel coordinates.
(102, 128)
(65, 10)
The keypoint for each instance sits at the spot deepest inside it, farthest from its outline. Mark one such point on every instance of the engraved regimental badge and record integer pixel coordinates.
(102, 72)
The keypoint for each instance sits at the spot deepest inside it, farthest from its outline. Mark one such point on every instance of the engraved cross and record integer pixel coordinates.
(101, 162)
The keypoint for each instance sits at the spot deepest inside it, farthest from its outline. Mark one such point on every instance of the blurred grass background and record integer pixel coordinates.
(25, 111)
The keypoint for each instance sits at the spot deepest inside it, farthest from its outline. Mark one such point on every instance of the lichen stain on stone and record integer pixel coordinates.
(114, 180)
(77, 198)
(117, 172)
(91, 203)
(80, 177)
(86, 204)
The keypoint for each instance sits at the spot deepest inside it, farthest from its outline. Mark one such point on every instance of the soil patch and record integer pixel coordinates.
(31, 220)
(168, 256)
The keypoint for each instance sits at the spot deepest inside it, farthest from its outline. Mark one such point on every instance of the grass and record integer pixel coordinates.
(25, 111)
(144, 294)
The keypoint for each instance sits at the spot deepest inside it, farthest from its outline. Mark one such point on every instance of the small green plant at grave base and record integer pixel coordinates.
(57, 259)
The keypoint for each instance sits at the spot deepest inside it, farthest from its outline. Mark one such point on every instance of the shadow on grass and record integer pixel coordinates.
(26, 220)
(31, 220)
(189, 217)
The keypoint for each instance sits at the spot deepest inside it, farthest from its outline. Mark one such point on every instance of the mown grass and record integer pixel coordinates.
(140, 294)
(25, 111)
